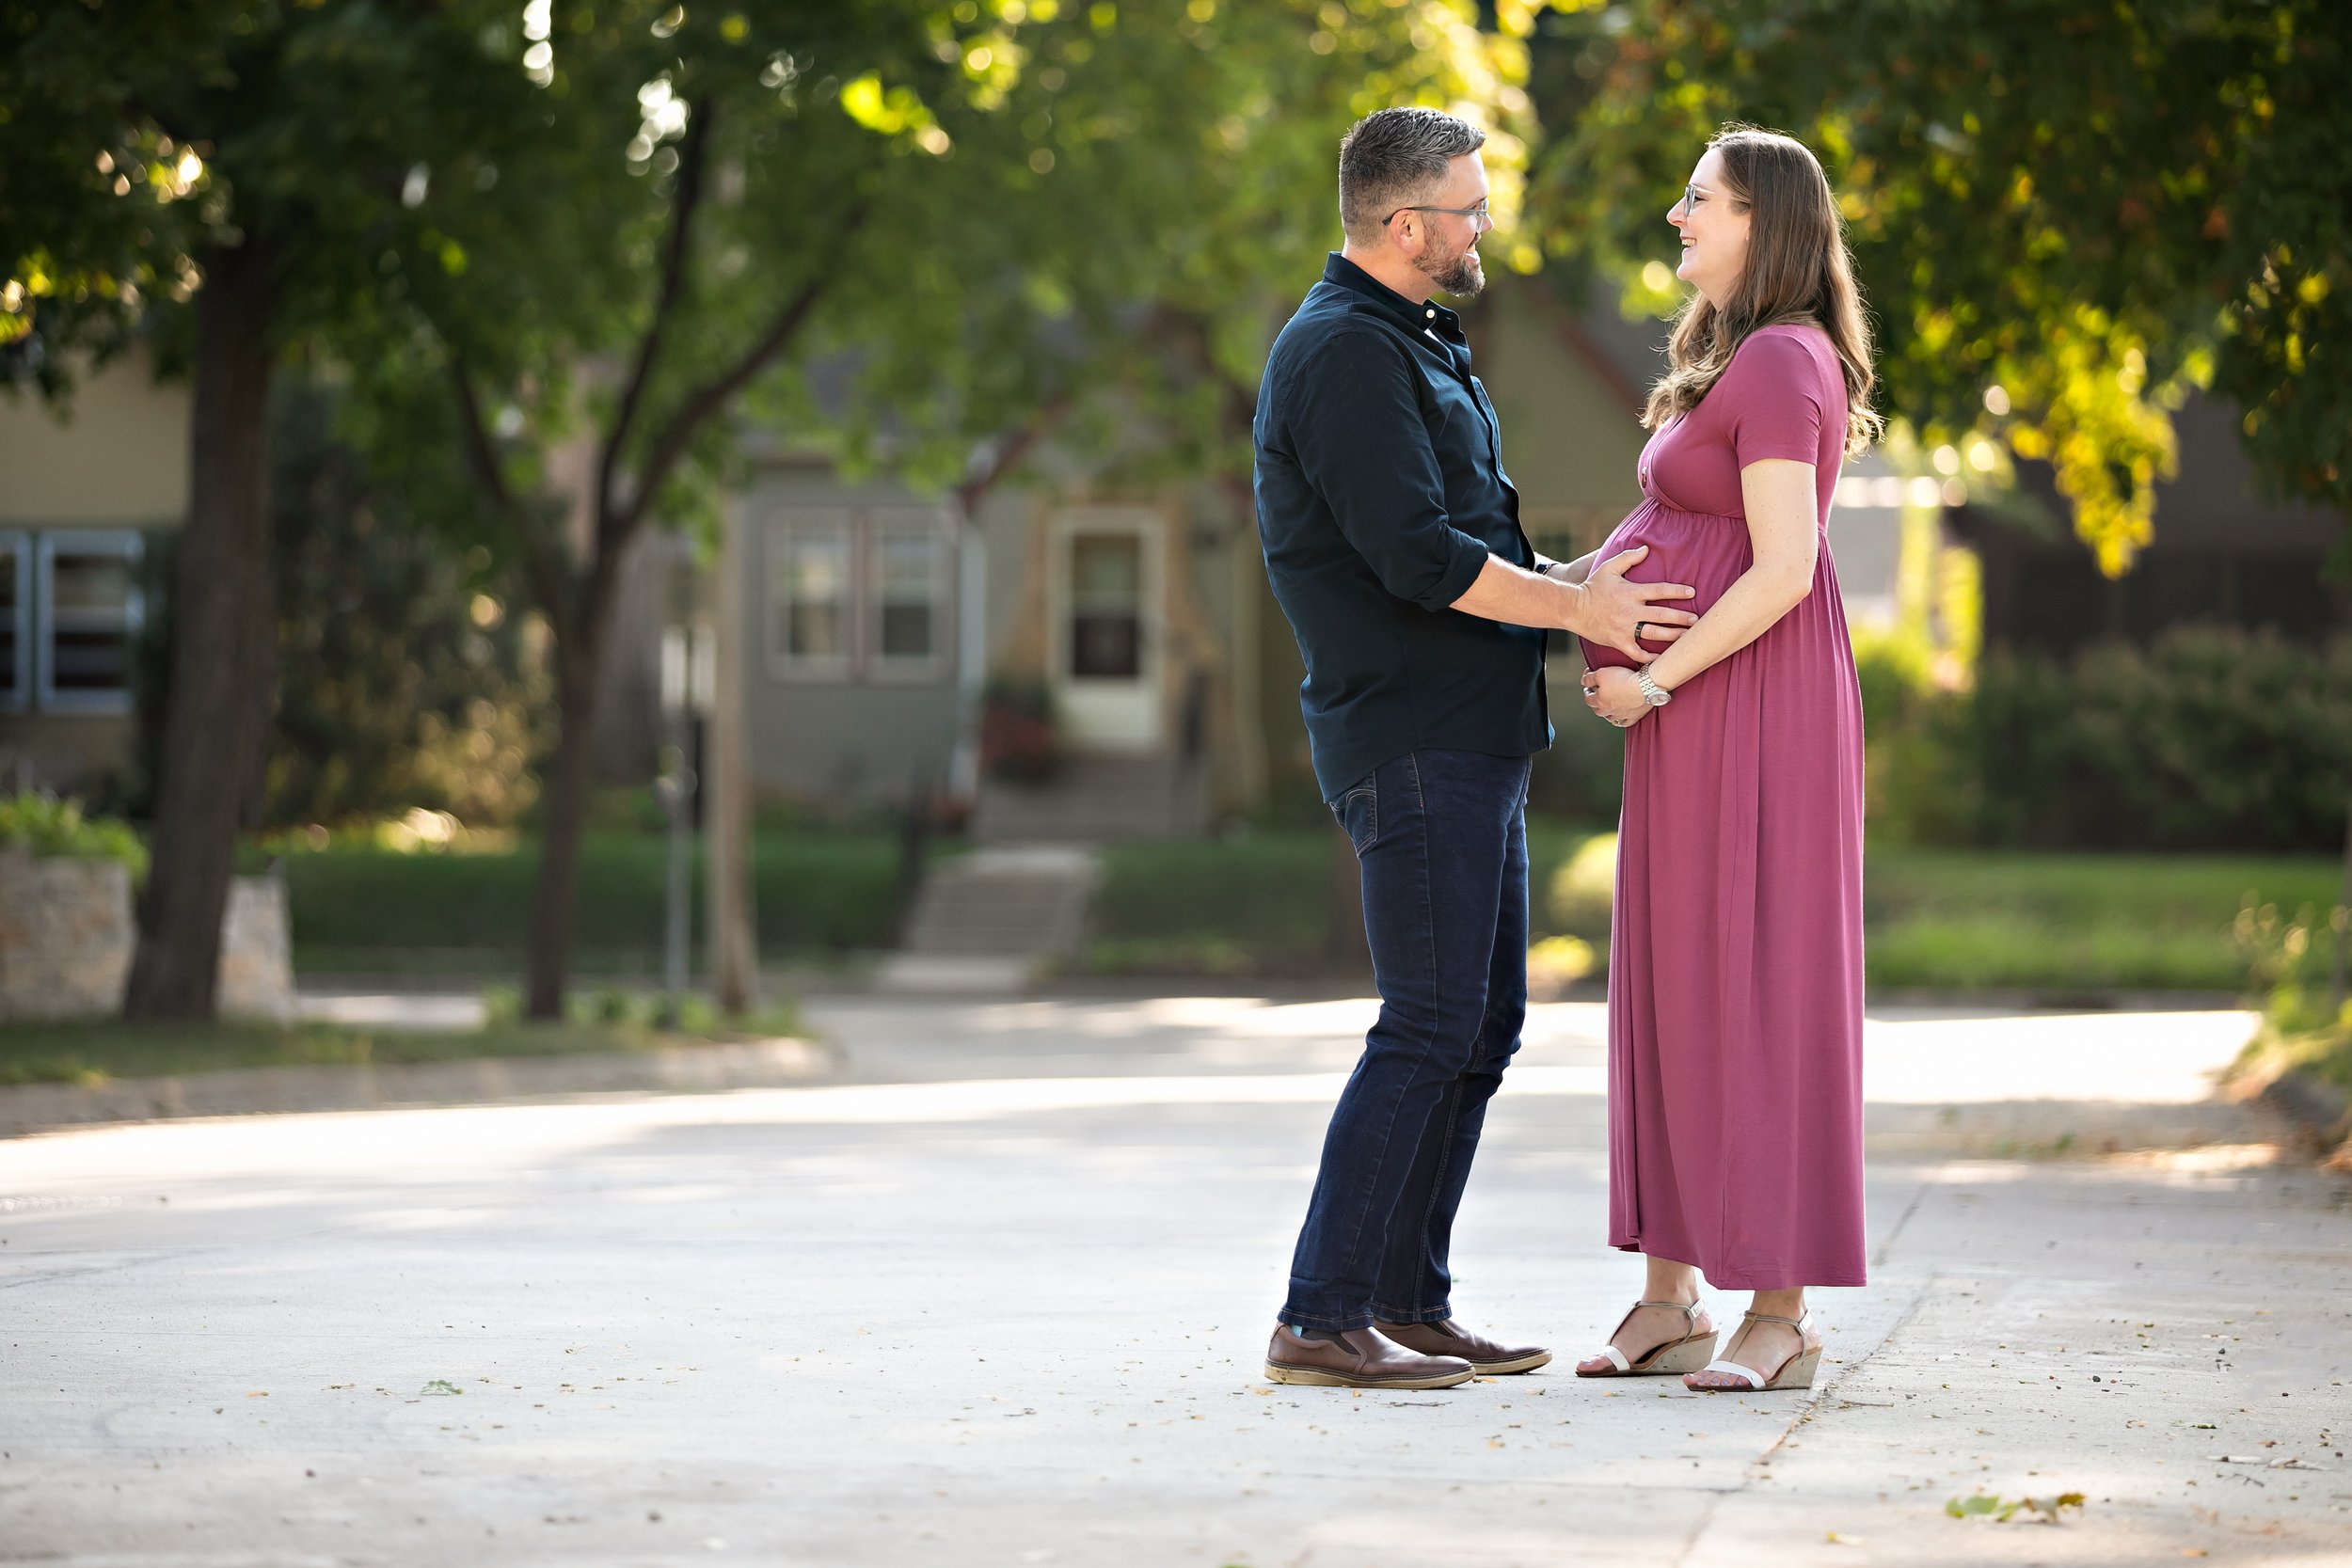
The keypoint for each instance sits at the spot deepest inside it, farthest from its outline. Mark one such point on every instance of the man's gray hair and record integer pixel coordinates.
(1392, 158)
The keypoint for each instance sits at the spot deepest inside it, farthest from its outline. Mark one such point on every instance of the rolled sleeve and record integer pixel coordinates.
(1361, 442)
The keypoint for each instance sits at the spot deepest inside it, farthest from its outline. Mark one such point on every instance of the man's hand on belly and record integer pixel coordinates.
(1627, 615)
(1603, 610)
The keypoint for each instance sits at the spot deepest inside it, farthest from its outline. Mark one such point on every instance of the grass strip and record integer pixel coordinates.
(93, 1051)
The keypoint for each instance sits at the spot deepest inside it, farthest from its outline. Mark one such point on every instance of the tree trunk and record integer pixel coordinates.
(564, 806)
(727, 790)
(216, 721)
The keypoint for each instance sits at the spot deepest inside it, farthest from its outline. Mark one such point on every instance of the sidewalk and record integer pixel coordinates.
(1000, 1299)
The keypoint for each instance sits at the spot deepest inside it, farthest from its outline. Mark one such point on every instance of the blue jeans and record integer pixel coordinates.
(1440, 840)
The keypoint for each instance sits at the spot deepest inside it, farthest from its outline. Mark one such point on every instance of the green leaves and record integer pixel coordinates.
(2002, 1510)
(2088, 210)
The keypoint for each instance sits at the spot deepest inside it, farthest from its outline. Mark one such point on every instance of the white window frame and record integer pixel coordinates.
(872, 524)
(784, 523)
(129, 544)
(17, 697)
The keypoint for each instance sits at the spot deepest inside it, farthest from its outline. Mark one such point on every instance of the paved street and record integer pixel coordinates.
(998, 1295)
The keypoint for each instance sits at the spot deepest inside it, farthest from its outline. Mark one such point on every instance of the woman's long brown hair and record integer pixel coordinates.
(1798, 270)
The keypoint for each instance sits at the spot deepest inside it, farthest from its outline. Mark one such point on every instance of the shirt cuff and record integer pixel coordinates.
(1470, 559)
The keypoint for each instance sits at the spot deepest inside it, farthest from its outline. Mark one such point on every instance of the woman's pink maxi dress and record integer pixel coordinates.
(1735, 960)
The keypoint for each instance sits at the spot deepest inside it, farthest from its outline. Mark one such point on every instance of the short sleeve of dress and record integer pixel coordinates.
(1775, 387)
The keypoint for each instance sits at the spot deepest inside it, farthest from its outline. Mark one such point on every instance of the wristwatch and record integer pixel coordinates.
(1652, 693)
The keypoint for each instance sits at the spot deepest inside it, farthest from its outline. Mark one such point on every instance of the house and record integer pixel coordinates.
(882, 613)
(83, 495)
(2222, 554)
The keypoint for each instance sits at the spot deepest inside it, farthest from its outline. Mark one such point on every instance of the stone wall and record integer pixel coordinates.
(256, 944)
(66, 933)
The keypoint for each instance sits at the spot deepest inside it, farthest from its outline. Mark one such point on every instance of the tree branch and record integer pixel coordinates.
(976, 486)
(692, 153)
(671, 442)
(542, 564)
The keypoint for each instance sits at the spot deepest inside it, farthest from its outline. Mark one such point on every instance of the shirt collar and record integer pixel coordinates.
(1412, 316)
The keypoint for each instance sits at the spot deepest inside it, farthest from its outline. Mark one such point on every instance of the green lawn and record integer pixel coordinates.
(1956, 919)
(367, 909)
(93, 1051)
(1263, 905)
(1935, 918)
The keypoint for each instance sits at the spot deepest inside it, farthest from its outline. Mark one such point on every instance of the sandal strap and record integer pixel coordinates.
(1754, 1379)
(1797, 1323)
(1689, 1314)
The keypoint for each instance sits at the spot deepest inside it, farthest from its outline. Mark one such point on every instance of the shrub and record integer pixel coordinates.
(1020, 737)
(2207, 739)
(1580, 892)
(47, 825)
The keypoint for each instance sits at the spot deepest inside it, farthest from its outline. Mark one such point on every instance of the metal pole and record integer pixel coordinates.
(2341, 919)
(675, 789)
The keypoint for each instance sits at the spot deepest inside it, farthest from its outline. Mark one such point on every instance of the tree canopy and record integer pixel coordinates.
(2062, 215)
(523, 231)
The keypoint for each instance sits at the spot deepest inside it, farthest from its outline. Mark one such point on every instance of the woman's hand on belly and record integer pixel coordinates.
(1612, 692)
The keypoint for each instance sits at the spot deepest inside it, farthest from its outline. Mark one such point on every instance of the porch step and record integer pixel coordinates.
(990, 921)
(1096, 800)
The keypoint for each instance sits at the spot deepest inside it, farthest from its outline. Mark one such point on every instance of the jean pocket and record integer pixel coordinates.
(1359, 816)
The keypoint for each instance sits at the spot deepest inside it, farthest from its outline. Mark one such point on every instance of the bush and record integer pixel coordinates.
(2207, 739)
(47, 825)
(811, 893)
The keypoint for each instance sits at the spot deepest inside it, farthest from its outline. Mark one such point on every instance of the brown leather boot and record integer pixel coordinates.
(1358, 1358)
(1450, 1338)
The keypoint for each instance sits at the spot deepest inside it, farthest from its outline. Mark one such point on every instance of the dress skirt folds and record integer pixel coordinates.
(1734, 966)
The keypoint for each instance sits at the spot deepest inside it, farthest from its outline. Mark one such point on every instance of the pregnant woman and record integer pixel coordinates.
(1735, 968)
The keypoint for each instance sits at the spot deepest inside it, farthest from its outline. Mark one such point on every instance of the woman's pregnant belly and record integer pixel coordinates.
(1707, 553)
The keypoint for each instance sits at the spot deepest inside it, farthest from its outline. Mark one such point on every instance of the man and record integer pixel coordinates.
(1392, 540)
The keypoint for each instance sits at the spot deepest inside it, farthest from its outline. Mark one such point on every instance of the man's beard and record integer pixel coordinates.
(1458, 274)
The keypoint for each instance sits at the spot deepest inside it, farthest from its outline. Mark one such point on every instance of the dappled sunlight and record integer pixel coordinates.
(2135, 1058)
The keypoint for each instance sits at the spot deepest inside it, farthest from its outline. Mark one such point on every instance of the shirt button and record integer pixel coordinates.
(1433, 315)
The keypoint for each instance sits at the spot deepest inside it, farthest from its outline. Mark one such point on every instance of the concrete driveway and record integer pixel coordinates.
(999, 1294)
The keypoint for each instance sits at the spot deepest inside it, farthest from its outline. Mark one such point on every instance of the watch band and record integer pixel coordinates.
(1652, 693)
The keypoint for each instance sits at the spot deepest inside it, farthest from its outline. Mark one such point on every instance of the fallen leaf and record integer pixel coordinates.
(441, 1386)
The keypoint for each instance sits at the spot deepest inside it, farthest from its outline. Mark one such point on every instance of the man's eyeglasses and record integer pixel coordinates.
(1478, 215)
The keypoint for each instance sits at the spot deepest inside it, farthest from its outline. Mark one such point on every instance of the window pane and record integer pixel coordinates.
(1107, 606)
(81, 582)
(1108, 647)
(907, 566)
(814, 631)
(90, 661)
(89, 597)
(1106, 571)
(906, 631)
(817, 566)
(816, 595)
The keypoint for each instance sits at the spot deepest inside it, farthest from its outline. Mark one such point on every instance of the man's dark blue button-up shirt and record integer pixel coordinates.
(1380, 495)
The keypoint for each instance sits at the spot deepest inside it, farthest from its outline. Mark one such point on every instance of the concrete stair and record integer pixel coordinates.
(991, 921)
(1098, 798)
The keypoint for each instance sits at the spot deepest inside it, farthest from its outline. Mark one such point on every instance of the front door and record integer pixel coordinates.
(1106, 664)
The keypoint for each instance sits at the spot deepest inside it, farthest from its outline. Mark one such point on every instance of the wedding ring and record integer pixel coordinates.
(1637, 629)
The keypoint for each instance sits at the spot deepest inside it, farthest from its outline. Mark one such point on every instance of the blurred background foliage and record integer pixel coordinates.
(2062, 214)
(405, 682)
(914, 229)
